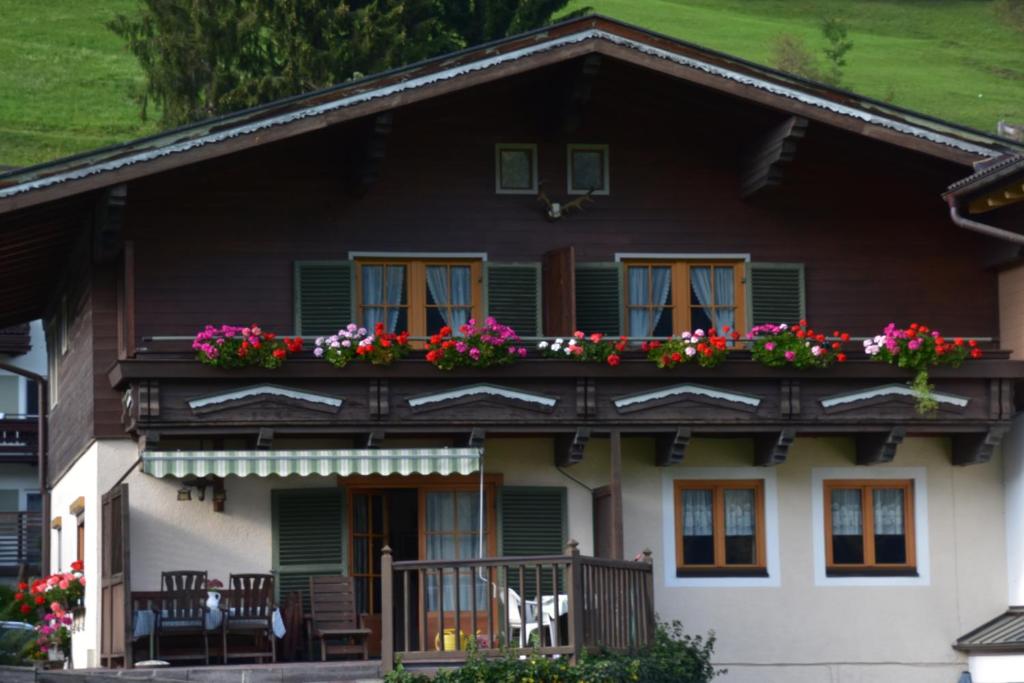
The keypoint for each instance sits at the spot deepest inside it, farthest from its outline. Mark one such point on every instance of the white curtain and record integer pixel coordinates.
(446, 512)
(461, 293)
(376, 296)
(846, 514)
(697, 513)
(396, 283)
(739, 512)
(725, 283)
(700, 283)
(888, 504)
(642, 321)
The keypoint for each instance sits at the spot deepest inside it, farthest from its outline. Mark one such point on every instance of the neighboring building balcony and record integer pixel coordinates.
(19, 438)
(173, 394)
(20, 543)
(15, 340)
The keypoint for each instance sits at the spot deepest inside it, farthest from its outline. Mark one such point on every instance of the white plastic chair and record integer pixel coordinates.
(516, 609)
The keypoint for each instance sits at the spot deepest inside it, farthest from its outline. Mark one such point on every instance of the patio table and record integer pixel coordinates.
(144, 624)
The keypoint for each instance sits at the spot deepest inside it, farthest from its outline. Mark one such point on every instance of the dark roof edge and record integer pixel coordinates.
(991, 174)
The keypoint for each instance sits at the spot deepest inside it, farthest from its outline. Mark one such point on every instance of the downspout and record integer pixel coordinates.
(983, 228)
(44, 490)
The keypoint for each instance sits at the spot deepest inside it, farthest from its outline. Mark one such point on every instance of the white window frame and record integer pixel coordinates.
(919, 475)
(532, 148)
(578, 146)
(771, 527)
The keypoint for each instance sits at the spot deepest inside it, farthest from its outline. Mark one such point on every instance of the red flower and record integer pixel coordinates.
(836, 346)
(270, 335)
(280, 353)
(841, 357)
(25, 609)
(665, 359)
(643, 346)
(19, 596)
(77, 566)
(23, 586)
(445, 331)
(620, 346)
(975, 353)
(676, 357)
(958, 341)
(845, 337)
(613, 360)
(803, 323)
(40, 600)
(972, 343)
(800, 334)
(384, 343)
(596, 337)
(432, 356)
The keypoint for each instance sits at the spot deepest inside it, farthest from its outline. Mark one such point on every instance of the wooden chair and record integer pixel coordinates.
(182, 610)
(333, 615)
(250, 609)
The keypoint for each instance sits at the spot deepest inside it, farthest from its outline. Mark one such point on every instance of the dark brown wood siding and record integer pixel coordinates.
(216, 242)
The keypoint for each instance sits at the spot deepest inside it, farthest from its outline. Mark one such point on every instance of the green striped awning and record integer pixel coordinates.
(330, 462)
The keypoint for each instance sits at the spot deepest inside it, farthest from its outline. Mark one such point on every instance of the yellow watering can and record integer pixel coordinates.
(449, 640)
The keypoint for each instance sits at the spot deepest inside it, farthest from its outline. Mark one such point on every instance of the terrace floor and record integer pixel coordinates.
(291, 672)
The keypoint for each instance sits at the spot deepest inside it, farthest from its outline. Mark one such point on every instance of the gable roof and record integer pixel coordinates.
(456, 71)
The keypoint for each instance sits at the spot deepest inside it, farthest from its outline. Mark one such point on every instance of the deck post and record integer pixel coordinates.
(575, 593)
(651, 622)
(615, 487)
(387, 615)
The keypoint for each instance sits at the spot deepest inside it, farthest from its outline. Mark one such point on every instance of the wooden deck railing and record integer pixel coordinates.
(21, 539)
(432, 611)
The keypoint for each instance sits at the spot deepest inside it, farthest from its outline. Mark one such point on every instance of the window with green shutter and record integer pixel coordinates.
(323, 297)
(776, 292)
(599, 298)
(514, 295)
(533, 522)
(308, 528)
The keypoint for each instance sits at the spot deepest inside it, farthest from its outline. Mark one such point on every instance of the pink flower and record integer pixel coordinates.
(790, 355)
(56, 608)
(769, 346)
(64, 584)
(522, 352)
(81, 580)
(474, 353)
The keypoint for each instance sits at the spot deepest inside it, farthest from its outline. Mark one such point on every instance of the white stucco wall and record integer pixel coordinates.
(1013, 476)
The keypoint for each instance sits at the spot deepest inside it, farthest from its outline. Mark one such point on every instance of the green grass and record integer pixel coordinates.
(67, 84)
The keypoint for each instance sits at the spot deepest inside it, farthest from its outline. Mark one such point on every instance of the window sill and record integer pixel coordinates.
(870, 571)
(721, 572)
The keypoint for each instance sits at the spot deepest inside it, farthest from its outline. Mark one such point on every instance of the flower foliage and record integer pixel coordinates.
(707, 349)
(47, 604)
(230, 346)
(356, 343)
(483, 346)
(592, 348)
(919, 348)
(797, 346)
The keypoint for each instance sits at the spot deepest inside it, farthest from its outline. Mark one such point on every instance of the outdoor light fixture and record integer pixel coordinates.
(184, 493)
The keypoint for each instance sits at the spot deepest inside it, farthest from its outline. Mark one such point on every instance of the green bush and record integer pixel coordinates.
(673, 658)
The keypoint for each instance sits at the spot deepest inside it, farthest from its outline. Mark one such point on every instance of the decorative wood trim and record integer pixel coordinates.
(149, 399)
(789, 398)
(764, 161)
(569, 447)
(670, 449)
(772, 449)
(77, 506)
(888, 393)
(263, 393)
(686, 392)
(977, 448)
(379, 406)
(477, 393)
(877, 449)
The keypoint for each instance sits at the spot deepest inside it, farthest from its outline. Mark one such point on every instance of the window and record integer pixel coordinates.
(720, 528)
(368, 513)
(77, 508)
(515, 168)
(664, 298)
(587, 169)
(452, 532)
(420, 296)
(869, 527)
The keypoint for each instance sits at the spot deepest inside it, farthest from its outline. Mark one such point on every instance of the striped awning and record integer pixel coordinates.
(329, 462)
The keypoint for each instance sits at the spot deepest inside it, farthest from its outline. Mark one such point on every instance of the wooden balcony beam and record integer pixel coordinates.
(879, 448)
(569, 447)
(772, 449)
(977, 448)
(670, 449)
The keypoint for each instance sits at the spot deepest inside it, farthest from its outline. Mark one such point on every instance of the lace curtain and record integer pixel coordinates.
(739, 512)
(723, 293)
(888, 509)
(697, 513)
(461, 293)
(382, 286)
(644, 319)
(846, 513)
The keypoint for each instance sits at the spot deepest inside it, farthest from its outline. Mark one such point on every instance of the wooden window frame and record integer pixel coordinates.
(720, 568)
(416, 287)
(377, 536)
(515, 146)
(680, 274)
(869, 566)
(581, 147)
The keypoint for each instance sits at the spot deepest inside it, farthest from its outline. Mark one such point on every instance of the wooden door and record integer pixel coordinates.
(115, 587)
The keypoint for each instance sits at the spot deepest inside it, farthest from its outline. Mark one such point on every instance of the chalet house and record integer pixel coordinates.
(822, 527)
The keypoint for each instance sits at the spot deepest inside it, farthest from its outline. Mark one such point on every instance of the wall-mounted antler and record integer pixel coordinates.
(556, 210)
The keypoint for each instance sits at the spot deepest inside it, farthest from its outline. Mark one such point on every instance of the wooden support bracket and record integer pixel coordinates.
(265, 438)
(977, 448)
(764, 160)
(476, 438)
(772, 449)
(877, 449)
(569, 447)
(372, 439)
(670, 449)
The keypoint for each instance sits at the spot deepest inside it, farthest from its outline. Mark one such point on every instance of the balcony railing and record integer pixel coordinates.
(21, 538)
(19, 438)
(434, 611)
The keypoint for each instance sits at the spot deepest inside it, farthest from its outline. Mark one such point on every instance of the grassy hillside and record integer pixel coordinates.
(67, 83)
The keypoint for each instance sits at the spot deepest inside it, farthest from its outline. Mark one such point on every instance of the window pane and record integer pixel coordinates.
(847, 541)
(360, 521)
(440, 511)
(469, 510)
(516, 169)
(890, 539)
(362, 585)
(360, 555)
(435, 320)
(440, 547)
(377, 502)
(587, 170)
(663, 326)
(639, 285)
(698, 541)
(725, 283)
(461, 286)
(373, 285)
(740, 526)
(700, 319)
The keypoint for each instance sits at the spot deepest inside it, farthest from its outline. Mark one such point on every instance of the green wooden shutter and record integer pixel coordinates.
(599, 298)
(776, 292)
(308, 532)
(323, 297)
(533, 522)
(513, 296)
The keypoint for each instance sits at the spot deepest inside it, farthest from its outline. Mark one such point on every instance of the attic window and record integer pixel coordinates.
(587, 169)
(515, 168)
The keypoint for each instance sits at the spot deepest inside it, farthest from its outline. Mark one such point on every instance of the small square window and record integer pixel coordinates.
(515, 168)
(588, 169)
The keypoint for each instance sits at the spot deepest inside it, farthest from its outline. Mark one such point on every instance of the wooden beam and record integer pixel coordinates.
(877, 449)
(670, 449)
(615, 487)
(569, 447)
(772, 449)
(977, 448)
(265, 438)
(108, 220)
(763, 161)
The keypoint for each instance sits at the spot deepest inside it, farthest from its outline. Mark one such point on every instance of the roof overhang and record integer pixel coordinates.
(446, 74)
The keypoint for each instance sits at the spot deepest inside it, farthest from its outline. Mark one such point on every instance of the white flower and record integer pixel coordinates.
(557, 346)
(335, 344)
(690, 351)
(542, 345)
(559, 342)
(319, 341)
(568, 350)
(783, 326)
(698, 333)
(345, 343)
(361, 332)
(685, 335)
(816, 350)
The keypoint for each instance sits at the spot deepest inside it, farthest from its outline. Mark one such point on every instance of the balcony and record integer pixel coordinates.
(15, 340)
(21, 537)
(19, 438)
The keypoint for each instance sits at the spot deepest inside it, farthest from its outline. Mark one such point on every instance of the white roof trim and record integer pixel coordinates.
(891, 390)
(264, 390)
(480, 65)
(482, 390)
(687, 390)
